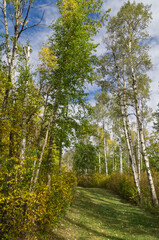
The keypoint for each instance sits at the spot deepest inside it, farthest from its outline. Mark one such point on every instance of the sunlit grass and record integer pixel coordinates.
(97, 214)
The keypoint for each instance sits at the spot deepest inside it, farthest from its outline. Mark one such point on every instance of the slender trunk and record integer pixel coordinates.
(105, 153)
(113, 159)
(141, 133)
(138, 153)
(141, 162)
(43, 119)
(99, 162)
(6, 32)
(33, 174)
(126, 125)
(128, 161)
(11, 60)
(49, 180)
(60, 157)
(23, 140)
(120, 155)
(8, 50)
(49, 158)
(42, 152)
(99, 156)
(55, 106)
(123, 105)
(23, 146)
(11, 144)
(105, 158)
(130, 146)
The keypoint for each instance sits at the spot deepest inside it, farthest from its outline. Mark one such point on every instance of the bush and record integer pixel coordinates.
(23, 213)
(145, 188)
(94, 180)
(123, 185)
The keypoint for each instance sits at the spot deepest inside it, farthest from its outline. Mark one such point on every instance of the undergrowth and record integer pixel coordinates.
(123, 185)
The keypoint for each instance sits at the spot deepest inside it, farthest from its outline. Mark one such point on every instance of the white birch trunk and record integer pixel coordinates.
(113, 159)
(23, 141)
(105, 153)
(141, 134)
(138, 153)
(130, 148)
(126, 125)
(99, 157)
(120, 155)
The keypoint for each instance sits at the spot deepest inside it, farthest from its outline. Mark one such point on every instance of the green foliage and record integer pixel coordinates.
(153, 150)
(123, 184)
(85, 157)
(146, 197)
(156, 123)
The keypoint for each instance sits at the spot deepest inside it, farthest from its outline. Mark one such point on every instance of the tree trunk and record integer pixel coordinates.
(60, 157)
(113, 159)
(120, 155)
(42, 152)
(128, 161)
(49, 157)
(99, 157)
(130, 146)
(126, 125)
(105, 153)
(23, 140)
(138, 153)
(141, 133)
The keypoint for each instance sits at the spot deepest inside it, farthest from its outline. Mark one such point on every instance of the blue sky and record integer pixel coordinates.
(39, 35)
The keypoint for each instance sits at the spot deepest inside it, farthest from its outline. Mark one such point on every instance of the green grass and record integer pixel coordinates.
(98, 214)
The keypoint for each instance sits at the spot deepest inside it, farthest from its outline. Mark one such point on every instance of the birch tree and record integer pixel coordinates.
(130, 36)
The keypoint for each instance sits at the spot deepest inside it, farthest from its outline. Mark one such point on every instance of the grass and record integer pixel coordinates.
(98, 214)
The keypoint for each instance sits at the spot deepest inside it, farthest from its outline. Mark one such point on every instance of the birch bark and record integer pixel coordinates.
(120, 155)
(105, 152)
(141, 133)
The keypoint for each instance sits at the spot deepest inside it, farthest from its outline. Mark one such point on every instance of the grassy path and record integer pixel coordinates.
(97, 214)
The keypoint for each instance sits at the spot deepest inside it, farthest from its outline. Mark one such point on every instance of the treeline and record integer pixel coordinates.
(121, 115)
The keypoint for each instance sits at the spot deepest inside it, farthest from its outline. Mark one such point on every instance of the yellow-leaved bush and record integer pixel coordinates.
(123, 185)
(94, 180)
(24, 213)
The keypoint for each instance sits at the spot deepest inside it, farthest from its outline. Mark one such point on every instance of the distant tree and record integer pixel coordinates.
(156, 123)
(85, 158)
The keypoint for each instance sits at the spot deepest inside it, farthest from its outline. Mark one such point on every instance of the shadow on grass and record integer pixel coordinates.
(98, 214)
(112, 211)
(96, 233)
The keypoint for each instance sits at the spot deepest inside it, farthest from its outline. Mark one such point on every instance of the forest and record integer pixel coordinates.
(52, 139)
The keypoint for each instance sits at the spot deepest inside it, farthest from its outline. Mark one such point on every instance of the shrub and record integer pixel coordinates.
(23, 213)
(145, 188)
(94, 180)
(123, 185)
